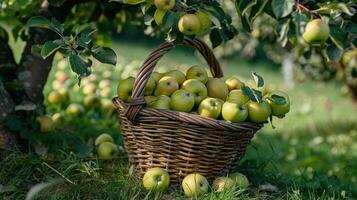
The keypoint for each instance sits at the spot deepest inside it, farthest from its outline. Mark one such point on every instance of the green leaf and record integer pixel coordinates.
(56, 3)
(338, 36)
(334, 54)
(49, 48)
(56, 25)
(279, 100)
(39, 22)
(170, 19)
(283, 29)
(257, 9)
(253, 95)
(258, 79)
(215, 38)
(282, 8)
(79, 66)
(105, 55)
(133, 2)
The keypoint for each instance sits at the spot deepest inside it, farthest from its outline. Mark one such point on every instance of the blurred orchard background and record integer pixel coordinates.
(311, 154)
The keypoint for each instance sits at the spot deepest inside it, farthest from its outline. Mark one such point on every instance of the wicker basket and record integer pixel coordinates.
(180, 142)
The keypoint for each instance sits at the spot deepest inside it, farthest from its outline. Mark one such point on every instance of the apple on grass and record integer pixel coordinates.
(90, 88)
(166, 86)
(57, 118)
(178, 75)
(222, 183)
(161, 102)
(182, 100)
(156, 179)
(74, 109)
(210, 107)
(104, 137)
(107, 150)
(90, 100)
(316, 32)
(189, 24)
(107, 105)
(125, 88)
(106, 92)
(197, 72)
(46, 123)
(258, 112)
(240, 180)
(63, 91)
(234, 111)
(197, 88)
(195, 185)
(164, 4)
(217, 88)
(54, 98)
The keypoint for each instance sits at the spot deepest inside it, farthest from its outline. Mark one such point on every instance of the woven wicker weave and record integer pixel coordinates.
(180, 142)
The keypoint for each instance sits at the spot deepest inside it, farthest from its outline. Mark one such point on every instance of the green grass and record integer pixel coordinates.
(311, 154)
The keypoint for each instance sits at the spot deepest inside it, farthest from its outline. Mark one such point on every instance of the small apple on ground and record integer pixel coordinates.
(104, 137)
(164, 4)
(90, 100)
(240, 180)
(166, 86)
(197, 72)
(234, 111)
(217, 88)
(178, 75)
(107, 105)
(210, 107)
(106, 92)
(57, 118)
(46, 123)
(104, 83)
(316, 32)
(222, 183)
(156, 179)
(258, 112)
(63, 91)
(54, 98)
(194, 185)
(125, 88)
(197, 88)
(74, 110)
(107, 150)
(90, 88)
(182, 100)
(189, 24)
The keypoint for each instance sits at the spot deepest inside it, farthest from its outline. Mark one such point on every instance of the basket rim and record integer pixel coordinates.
(244, 127)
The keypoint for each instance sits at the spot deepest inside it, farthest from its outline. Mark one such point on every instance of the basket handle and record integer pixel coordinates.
(147, 68)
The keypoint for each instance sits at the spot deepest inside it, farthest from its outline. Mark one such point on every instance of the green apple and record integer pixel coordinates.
(258, 112)
(222, 183)
(182, 100)
(197, 88)
(63, 92)
(156, 76)
(54, 98)
(149, 99)
(107, 105)
(104, 137)
(349, 57)
(106, 92)
(164, 4)
(156, 179)
(161, 102)
(205, 21)
(210, 107)
(74, 109)
(178, 75)
(234, 111)
(189, 24)
(166, 86)
(46, 123)
(61, 76)
(279, 102)
(197, 72)
(217, 88)
(56, 85)
(107, 150)
(90, 100)
(240, 180)
(237, 95)
(90, 88)
(107, 74)
(125, 88)
(150, 86)
(104, 83)
(234, 83)
(57, 118)
(62, 64)
(159, 16)
(195, 185)
(316, 32)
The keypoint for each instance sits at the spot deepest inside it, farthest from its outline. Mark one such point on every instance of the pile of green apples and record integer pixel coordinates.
(218, 98)
(193, 185)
